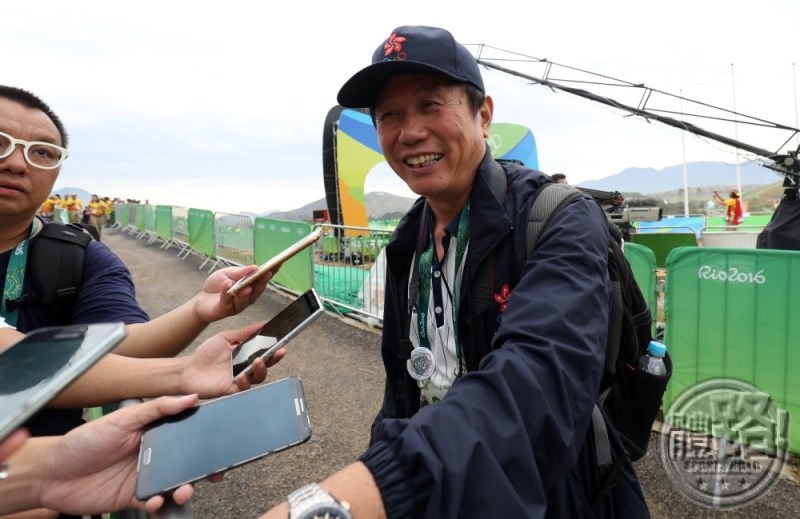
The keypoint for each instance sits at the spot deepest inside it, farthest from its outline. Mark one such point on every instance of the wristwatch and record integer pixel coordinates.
(314, 502)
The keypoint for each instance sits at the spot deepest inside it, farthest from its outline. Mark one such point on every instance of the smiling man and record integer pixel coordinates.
(487, 406)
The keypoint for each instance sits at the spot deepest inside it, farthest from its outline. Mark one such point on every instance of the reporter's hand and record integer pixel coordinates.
(92, 469)
(12, 442)
(213, 303)
(208, 370)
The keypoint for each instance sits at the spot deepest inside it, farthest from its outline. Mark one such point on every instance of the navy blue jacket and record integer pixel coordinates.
(512, 438)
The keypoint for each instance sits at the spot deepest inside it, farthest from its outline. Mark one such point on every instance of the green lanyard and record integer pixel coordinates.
(425, 267)
(15, 275)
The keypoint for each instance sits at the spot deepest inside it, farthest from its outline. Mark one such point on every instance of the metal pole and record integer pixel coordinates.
(794, 80)
(685, 168)
(736, 136)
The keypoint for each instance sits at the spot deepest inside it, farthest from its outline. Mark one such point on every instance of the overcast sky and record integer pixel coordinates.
(221, 105)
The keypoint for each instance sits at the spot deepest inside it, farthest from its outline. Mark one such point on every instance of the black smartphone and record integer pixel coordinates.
(41, 364)
(277, 332)
(212, 437)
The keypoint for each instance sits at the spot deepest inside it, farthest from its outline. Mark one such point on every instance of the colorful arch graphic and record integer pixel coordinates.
(351, 151)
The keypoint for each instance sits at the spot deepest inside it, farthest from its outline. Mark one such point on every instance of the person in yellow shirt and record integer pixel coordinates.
(107, 208)
(46, 211)
(96, 210)
(74, 207)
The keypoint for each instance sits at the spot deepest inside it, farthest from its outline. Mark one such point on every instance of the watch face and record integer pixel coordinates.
(328, 512)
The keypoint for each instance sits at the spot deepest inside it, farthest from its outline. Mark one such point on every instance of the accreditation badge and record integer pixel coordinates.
(420, 365)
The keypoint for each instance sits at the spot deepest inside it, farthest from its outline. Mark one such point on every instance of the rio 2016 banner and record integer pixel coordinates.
(351, 151)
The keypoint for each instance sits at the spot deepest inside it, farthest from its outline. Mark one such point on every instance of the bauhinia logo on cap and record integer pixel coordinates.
(394, 45)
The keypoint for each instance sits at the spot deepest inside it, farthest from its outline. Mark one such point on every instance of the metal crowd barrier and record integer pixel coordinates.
(233, 239)
(350, 270)
(348, 263)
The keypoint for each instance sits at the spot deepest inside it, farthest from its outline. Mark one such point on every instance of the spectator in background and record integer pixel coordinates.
(561, 178)
(96, 210)
(108, 211)
(733, 214)
(74, 208)
(48, 207)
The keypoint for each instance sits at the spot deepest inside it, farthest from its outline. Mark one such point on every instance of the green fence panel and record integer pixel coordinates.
(663, 243)
(150, 218)
(643, 264)
(180, 223)
(164, 222)
(270, 237)
(201, 231)
(733, 313)
(122, 214)
(139, 217)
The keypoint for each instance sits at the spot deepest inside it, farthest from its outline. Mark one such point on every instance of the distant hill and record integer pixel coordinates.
(699, 174)
(379, 204)
(83, 195)
(665, 186)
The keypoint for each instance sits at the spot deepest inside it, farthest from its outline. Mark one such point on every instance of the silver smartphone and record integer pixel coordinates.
(277, 332)
(212, 437)
(35, 369)
(277, 260)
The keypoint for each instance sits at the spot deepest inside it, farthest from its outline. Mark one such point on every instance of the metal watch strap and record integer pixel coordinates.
(307, 497)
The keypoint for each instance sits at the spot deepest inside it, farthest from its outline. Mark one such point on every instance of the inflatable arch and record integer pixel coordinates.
(350, 151)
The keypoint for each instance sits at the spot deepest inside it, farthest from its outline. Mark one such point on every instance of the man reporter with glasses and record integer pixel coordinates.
(33, 146)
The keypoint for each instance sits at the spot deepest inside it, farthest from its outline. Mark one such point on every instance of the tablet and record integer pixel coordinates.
(39, 366)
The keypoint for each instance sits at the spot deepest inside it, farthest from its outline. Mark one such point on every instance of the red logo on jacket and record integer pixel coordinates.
(502, 297)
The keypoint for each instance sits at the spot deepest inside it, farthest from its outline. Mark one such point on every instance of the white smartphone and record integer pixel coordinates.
(275, 261)
(212, 437)
(36, 368)
(277, 332)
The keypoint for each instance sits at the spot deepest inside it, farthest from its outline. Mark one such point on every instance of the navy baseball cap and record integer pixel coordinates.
(411, 50)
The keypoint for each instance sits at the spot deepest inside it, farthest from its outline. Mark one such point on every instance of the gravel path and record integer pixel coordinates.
(339, 363)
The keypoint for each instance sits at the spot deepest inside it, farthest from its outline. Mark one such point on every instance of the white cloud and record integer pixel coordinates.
(187, 99)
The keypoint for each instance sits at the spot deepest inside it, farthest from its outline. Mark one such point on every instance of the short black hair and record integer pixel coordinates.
(29, 100)
(558, 176)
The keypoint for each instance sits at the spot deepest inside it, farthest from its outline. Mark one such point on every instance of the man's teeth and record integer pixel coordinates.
(423, 160)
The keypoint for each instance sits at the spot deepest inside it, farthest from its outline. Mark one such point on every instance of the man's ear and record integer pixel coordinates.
(485, 113)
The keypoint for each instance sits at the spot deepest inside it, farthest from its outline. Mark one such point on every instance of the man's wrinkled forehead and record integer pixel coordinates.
(418, 85)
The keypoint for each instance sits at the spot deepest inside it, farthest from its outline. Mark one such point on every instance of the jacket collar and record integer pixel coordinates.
(489, 221)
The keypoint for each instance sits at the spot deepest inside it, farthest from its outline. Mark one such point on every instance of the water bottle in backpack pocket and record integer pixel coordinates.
(653, 361)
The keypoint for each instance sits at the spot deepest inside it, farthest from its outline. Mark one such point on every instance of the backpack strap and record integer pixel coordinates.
(56, 268)
(482, 288)
(548, 201)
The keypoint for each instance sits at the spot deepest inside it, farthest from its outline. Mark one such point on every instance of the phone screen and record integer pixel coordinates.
(40, 365)
(221, 434)
(277, 332)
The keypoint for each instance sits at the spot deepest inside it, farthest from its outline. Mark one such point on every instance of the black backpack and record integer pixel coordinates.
(630, 398)
(55, 265)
